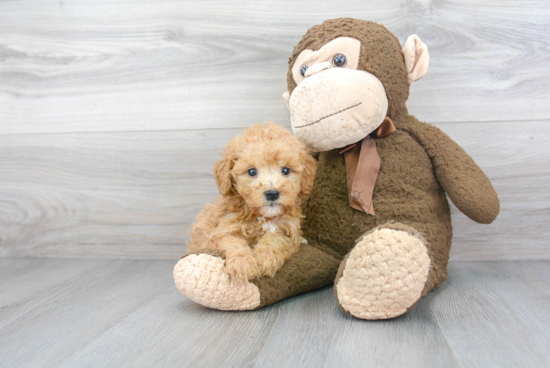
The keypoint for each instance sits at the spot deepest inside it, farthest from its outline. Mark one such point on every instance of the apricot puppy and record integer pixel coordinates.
(262, 177)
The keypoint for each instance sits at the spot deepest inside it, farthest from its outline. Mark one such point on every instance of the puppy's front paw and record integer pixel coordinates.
(242, 267)
(268, 260)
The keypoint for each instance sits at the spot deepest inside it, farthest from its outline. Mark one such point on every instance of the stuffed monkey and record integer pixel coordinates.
(378, 223)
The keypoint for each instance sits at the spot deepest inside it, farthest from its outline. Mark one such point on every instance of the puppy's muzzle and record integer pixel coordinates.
(272, 195)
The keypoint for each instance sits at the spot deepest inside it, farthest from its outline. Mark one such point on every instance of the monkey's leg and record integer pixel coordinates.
(203, 278)
(385, 274)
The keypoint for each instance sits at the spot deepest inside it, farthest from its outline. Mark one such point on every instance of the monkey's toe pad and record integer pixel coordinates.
(384, 275)
(203, 279)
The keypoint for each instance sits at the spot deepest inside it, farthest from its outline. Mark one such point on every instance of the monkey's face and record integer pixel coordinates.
(334, 103)
(343, 91)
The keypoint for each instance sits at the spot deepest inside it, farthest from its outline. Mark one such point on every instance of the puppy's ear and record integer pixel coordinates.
(222, 171)
(309, 170)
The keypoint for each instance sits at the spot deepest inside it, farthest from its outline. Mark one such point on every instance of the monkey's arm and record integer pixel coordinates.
(465, 183)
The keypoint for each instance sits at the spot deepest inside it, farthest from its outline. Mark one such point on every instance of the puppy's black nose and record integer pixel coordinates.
(272, 195)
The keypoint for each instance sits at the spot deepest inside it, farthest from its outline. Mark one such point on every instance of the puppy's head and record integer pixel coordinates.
(268, 167)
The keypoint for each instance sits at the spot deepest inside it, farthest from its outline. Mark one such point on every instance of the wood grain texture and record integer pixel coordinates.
(72, 313)
(490, 299)
(87, 66)
(128, 313)
(31, 280)
(516, 158)
(113, 112)
(135, 194)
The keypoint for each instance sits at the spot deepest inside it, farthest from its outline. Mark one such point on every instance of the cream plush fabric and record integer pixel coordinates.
(417, 58)
(203, 279)
(384, 276)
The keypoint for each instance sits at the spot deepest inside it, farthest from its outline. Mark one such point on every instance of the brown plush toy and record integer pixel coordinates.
(378, 222)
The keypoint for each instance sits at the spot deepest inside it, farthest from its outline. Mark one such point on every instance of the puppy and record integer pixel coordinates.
(262, 177)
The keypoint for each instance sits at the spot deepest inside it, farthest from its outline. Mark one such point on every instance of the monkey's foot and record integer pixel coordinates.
(203, 279)
(384, 274)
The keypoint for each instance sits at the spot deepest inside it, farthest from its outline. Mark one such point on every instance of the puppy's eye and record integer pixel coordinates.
(286, 171)
(339, 60)
(303, 70)
(252, 172)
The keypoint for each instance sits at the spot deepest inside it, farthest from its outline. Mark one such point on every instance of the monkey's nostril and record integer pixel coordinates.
(272, 195)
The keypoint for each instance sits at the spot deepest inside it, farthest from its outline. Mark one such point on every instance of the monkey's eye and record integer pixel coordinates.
(252, 172)
(286, 171)
(339, 60)
(303, 70)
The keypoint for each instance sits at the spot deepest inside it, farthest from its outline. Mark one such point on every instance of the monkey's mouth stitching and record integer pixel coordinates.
(328, 116)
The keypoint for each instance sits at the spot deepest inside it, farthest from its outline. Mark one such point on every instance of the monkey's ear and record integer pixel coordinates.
(286, 97)
(417, 58)
(222, 172)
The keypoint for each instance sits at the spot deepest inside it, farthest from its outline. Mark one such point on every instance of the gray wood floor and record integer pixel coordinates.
(99, 313)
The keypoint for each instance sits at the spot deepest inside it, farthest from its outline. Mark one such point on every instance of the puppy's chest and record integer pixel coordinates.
(260, 227)
(267, 225)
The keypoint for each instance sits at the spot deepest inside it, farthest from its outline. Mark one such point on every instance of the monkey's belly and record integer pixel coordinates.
(406, 191)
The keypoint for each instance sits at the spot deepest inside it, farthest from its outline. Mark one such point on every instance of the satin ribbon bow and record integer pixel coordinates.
(362, 167)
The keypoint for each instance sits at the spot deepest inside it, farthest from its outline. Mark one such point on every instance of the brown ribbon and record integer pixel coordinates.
(362, 167)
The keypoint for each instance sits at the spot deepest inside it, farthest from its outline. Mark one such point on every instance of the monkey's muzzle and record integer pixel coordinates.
(337, 107)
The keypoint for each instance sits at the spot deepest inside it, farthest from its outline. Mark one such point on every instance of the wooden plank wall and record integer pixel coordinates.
(113, 112)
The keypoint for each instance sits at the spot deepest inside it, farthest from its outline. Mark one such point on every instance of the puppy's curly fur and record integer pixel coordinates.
(256, 232)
